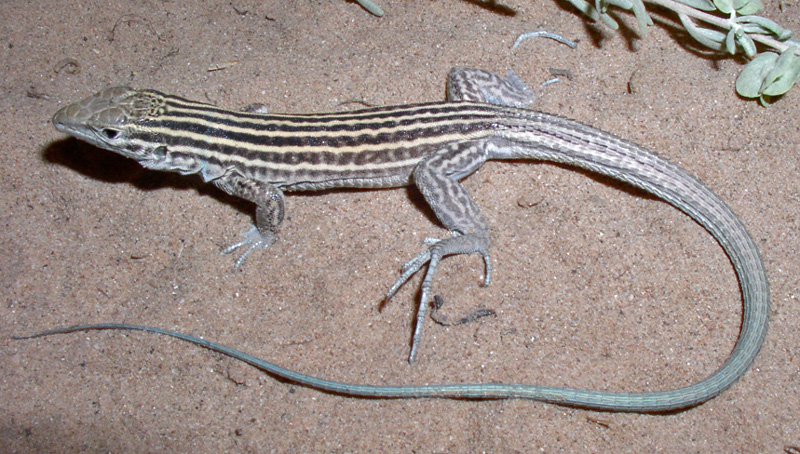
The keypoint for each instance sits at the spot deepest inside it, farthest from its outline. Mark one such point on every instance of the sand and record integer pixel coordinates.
(596, 285)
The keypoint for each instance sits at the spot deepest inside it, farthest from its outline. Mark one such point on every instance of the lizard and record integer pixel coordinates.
(258, 156)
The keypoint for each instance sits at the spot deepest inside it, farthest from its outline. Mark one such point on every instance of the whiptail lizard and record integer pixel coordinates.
(432, 146)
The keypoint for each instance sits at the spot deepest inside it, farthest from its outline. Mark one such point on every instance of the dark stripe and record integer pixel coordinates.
(293, 125)
(319, 143)
(366, 118)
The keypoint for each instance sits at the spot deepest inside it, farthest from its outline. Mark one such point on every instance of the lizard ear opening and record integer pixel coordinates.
(160, 153)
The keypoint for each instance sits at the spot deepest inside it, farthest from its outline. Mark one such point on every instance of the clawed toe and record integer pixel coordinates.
(253, 240)
(461, 244)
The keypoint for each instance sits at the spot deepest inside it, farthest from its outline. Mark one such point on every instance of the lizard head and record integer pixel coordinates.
(111, 119)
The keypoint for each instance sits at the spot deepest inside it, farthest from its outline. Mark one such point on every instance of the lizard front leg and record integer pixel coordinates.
(270, 211)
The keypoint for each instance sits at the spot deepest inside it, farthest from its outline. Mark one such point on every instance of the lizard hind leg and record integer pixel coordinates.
(437, 177)
(478, 85)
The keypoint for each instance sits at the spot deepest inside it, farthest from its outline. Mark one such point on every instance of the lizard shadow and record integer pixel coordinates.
(599, 178)
(109, 167)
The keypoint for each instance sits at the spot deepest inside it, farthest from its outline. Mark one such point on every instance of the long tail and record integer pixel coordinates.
(567, 141)
(553, 138)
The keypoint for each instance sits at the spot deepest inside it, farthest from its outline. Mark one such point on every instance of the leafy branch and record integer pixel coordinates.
(769, 74)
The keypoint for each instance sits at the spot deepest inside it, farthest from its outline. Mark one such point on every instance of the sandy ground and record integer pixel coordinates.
(595, 286)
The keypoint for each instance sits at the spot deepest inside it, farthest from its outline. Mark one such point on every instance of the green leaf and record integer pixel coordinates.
(601, 6)
(747, 44)
(703, 5)
(748, 84)
(585, 8)
(707, 37)
(642, 18)
(750, 80)
(784, 74)
(730, 42)
(608, 20)
(624, 4)
(371, 6)
(764, 26)
(726, 6)
(745, 7)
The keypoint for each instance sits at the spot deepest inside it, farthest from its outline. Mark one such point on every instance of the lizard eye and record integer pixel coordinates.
(109, 133)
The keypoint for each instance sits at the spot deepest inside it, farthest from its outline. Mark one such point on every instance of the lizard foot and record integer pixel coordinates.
(253, 240)
(461, 244)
